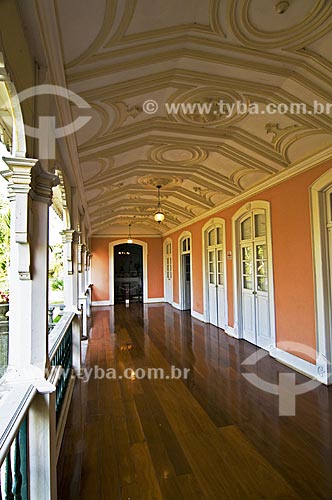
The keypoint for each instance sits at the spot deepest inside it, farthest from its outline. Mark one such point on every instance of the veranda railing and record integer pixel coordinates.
(18, 440)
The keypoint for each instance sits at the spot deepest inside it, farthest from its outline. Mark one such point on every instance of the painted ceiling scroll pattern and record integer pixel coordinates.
(238, 52)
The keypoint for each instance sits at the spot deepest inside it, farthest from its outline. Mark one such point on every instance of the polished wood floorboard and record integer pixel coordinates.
(213, 436)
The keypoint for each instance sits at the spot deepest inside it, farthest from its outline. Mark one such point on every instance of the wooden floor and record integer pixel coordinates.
(213, 436)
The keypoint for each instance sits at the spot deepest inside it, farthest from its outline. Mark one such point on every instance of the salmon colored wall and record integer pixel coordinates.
(100, 267)
(292, 257)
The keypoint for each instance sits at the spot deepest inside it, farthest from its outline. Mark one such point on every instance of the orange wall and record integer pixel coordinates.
(100, 267)
(292, 257)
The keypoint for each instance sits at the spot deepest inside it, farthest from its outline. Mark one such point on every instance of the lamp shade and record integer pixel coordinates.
(159, 216)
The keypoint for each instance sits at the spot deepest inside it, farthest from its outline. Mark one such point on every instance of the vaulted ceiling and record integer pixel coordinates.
(120, 53)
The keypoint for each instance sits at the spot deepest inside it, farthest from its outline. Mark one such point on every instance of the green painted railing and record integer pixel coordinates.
(61, 354)
(14, 477)
(13, 444)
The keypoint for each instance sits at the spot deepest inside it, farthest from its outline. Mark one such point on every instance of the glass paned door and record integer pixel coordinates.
(215, 277)
(168, 273)
(254, 264)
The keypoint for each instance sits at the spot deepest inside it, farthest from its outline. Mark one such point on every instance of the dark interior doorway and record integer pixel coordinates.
(128, 273)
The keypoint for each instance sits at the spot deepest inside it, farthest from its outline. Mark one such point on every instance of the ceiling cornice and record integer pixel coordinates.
(293, 170)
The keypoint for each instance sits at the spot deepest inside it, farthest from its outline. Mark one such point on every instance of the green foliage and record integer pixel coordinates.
(4, 242)
(57, 284)
(55, 261)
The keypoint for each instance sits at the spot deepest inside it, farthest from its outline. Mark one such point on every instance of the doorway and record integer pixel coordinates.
(254, 291)
(168, 272)
(215, 274)
(128, 273)
(185, 273)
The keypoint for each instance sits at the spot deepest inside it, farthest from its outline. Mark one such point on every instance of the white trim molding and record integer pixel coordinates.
(198, 316)
(216, 221)
(153, 300)
(144, 246)
(165, 243)
(183, 235)
(322, 276)
(176, 305)
(231, 332)
(245, 209)
(293, 170)
(101, 303)
(315, 371)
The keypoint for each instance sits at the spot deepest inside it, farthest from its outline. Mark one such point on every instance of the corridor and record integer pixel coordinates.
(211, 436)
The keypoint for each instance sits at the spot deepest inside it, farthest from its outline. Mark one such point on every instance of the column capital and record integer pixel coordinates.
(67, 235)
(19, 175)
(42, 183)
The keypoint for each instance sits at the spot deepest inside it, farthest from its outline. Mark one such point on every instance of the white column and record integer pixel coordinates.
(68, 264)
(30, 194)
(19, 178)
(41, 195)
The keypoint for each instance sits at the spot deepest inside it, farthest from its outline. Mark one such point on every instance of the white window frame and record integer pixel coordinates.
(213, 224)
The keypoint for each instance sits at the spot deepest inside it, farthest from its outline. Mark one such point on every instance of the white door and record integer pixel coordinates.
(254, 280)
(185, 274)
(213, 308)
(168, 273)
(216, 277)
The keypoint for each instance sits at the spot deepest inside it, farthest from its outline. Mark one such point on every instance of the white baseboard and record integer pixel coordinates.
(176, 305)
(153, 300)
(318, 372)
(198, 316)
(101, 303)
(231, 331)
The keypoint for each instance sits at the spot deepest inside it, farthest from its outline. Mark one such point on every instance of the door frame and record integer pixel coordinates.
(216, 221)
(166, 242)
(322, 293)
(236, 219)
(184, 235)
(144, 246)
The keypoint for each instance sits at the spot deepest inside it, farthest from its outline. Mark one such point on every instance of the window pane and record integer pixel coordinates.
(262, 267)
(219, 235)
(260, 225)
(220, 273)
(247, 282)
(247, 267)
(247, 253)
(188, 243)
(211, 278)
(246, 229)
(262, 284)
(211, 237)
(261, 252)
